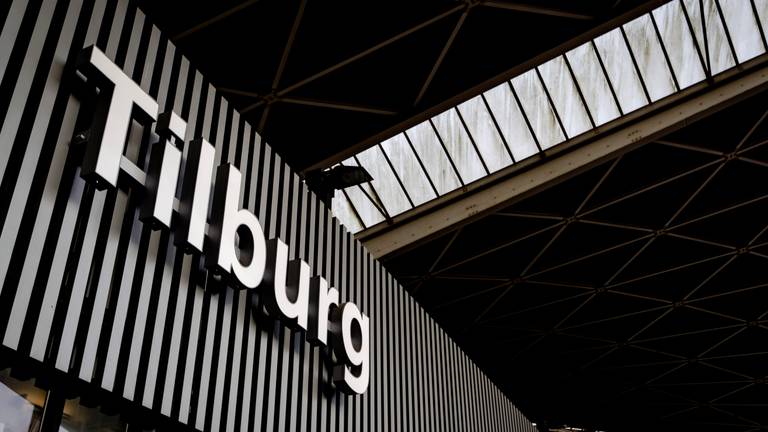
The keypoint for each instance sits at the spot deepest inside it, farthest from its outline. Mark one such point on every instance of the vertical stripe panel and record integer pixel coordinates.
(92, 292)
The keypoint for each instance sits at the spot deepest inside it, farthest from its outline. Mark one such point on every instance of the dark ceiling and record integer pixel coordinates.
(322, 78)
(633, 296)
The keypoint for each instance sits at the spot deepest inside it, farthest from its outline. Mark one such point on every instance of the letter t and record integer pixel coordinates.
(118, 96)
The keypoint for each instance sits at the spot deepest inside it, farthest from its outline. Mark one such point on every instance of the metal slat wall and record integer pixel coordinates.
(92, 297)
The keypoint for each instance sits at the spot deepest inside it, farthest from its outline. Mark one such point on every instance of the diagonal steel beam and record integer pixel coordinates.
(663, 308)
(289, 44)
(701, 360)
(437, 260)
(536, 307)
(361, 55)
(651, 187)
(498, 298)
(470, 277)
(632, 338)
(687, 333)
(726, 370)
(530, 215)
(702, 241)
(441, 57)
(722, 341)
(226, 14)
(616, 225)
(637, 296)
(700, 383)
(537, 10)
(590, 255)
(721, 211)
(283, 61)
(717, 314)
(727, 293)
(239, 92)
(444, 251)
(751, 131)
(736, 416)
(670, 269)
(637, 343)
(711, 276)
(739, 326)
(680, 411)
(689, 147)
(354, 209)
(753, 161)
(468, 296)
(558, 284)
(498, 247)
(336, 105)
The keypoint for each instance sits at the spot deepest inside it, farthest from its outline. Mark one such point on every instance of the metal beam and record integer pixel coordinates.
(538, 10)
(563, 161)
(336, 105)
(441, 57)
(283, 61)
(358, 56)
(239, 92)
(226, 14)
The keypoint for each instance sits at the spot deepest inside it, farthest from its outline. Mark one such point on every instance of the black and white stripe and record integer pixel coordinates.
(95, 298)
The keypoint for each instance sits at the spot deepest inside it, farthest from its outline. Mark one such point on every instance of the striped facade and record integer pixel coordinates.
(94, 300)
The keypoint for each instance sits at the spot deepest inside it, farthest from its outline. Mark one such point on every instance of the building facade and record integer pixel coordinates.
(106, 323)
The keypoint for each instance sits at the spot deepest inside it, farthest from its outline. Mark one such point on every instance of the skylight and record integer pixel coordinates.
(655, 55)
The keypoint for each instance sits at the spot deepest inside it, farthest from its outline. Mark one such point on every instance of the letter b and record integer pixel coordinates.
(234, 230)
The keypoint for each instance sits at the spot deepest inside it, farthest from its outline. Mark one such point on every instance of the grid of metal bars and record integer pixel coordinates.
(678, 44)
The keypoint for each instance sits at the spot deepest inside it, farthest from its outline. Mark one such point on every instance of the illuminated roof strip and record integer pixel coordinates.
(655, 55)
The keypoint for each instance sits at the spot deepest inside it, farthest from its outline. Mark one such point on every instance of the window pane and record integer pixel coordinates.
(343, 211)
(433, 156)
(593, 84)
(679, 42)
(384, 181)
(618, 63)
(762, 11)
(459, 146)
(719, 52)
(365, 208)
(743, 27)
(650, 57)
(538, 109)
(511, 121)
(362, 203)
(400, 154)
(487, 138)
(564, 94)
